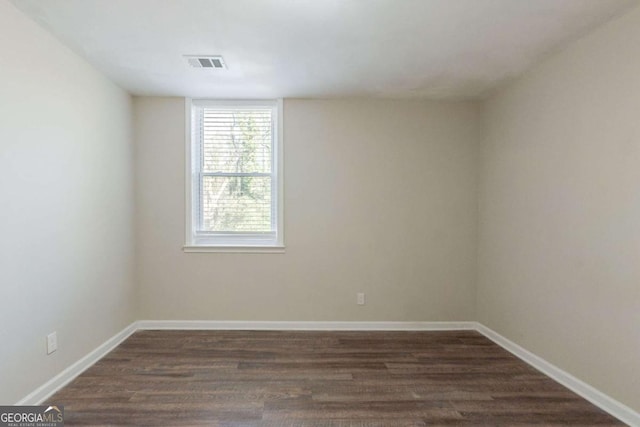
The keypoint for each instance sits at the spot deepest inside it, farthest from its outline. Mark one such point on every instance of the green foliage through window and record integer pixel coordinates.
(236, 177)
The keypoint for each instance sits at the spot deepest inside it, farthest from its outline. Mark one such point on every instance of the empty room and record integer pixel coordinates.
(320, 213)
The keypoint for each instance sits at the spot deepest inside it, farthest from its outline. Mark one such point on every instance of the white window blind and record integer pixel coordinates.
(234, 166)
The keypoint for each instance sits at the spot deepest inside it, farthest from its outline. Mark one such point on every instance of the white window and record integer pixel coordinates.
(234, 176)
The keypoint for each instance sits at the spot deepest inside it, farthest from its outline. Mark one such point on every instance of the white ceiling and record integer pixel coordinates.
(318, 48)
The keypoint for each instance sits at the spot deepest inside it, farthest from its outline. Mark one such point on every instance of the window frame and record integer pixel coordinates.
(231, 242)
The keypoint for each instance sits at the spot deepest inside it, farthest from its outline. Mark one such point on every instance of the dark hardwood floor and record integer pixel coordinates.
(328, 379)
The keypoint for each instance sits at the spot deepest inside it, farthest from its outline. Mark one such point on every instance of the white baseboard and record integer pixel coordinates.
(65, 377)
(304, 326)
(601, 400)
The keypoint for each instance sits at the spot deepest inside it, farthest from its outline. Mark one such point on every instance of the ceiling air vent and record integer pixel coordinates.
(212, 62)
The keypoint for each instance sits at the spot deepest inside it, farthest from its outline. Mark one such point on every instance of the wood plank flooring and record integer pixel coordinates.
(319, 379)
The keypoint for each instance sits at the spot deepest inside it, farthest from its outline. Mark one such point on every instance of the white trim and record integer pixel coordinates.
(234, 103)
(236, 249)
(304, 326)
(279, 159)
(193, 240)
(601, 400)
(65, 377)
(598, 398)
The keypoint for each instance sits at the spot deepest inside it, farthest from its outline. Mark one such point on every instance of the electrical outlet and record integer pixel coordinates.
(360, 298)
(52, 342)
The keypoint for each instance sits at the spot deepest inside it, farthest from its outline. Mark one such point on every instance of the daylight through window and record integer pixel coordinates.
(234, 164)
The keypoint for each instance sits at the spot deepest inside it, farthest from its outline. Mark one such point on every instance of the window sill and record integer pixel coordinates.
(235, 249)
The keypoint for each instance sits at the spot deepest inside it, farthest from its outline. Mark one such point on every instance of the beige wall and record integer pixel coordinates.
(379, 198)
(66, 251)
(559, 222)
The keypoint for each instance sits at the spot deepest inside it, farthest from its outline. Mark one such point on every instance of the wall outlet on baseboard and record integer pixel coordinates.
(360, 298)
(52, 342)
